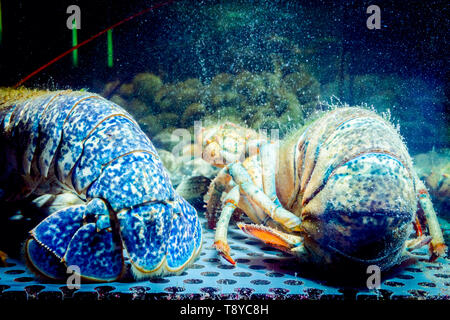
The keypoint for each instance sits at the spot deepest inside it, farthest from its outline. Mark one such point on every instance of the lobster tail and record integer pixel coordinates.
(79, 142)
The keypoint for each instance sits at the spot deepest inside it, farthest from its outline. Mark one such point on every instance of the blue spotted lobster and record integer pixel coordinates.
(78, 145)
(340, 193)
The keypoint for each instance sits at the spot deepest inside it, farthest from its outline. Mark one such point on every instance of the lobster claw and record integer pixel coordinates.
(66, 238)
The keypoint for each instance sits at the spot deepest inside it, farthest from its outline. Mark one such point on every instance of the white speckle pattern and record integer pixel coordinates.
(141, 173)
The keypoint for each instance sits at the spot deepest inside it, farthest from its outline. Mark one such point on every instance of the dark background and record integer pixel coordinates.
(181, 40)
(413, 38)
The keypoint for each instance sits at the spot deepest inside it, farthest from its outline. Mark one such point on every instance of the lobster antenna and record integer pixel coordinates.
(89, 40)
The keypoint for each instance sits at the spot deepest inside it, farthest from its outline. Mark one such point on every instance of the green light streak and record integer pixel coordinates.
(110, 48)
(74, 43)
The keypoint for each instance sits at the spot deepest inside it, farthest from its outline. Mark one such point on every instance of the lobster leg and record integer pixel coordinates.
(275, 211)
(220, 240)
(437, 245)
(275, 238)
(223, 184)
(268, 155)
(420, 240)
(213, 197)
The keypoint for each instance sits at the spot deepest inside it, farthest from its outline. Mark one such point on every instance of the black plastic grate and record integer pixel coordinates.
(261, 272)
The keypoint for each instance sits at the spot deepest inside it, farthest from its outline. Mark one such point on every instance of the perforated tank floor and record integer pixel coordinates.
(261, 272)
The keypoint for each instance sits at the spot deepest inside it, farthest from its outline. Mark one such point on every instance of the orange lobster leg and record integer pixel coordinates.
(437, 244)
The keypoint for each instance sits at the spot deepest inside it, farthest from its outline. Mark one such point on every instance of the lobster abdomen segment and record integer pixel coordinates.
(133, 179)
(90, 114)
